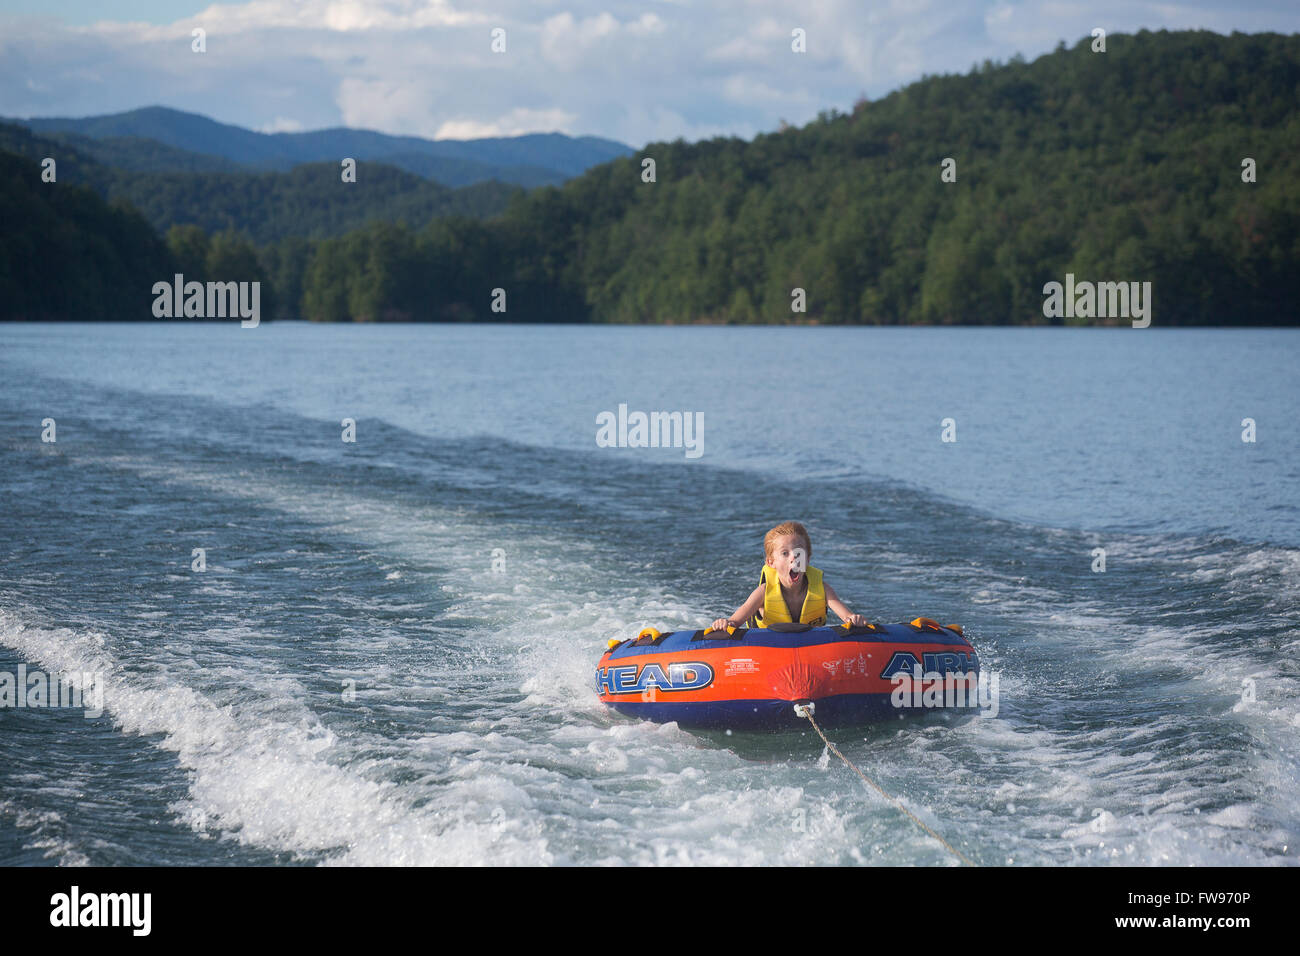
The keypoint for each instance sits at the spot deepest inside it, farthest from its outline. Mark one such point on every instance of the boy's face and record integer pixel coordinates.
(789, 558)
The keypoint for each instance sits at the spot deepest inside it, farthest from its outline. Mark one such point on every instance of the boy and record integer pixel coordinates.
(787, 583)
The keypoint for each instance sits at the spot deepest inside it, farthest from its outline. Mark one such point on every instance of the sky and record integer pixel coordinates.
(634, 72)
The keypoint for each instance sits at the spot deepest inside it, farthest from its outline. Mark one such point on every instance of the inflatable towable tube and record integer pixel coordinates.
(752, 678)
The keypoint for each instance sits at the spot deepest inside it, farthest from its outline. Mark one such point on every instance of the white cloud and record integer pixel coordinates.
(341, 16)
(565, 42)
(764, 39)
(647, 25)
(637, 125)
(515, 123)
(747, 88)
(281, 124)
(393, 103)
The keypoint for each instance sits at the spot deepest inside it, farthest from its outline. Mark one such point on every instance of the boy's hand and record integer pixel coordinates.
(857, 620)
(721, 624)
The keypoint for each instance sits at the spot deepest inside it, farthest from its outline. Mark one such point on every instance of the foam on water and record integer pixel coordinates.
(254, 771)
(43, 832)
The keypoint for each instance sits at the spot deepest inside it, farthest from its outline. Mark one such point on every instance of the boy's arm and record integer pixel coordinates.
(835, 604)
(744, 612)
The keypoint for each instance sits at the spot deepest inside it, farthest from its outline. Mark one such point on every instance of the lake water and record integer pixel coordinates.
(389, 657)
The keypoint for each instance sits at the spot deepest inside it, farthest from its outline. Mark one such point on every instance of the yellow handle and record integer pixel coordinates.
(649, 632)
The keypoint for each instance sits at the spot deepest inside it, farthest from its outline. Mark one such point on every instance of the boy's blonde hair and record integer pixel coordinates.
(784, 528)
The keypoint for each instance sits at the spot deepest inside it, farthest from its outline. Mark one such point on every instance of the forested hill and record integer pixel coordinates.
(67, 254)
(1117, 166)
(1123, 166)
(310, 201)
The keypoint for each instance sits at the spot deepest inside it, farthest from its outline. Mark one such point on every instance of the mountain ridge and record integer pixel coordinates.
(532, 159)
(308, 201)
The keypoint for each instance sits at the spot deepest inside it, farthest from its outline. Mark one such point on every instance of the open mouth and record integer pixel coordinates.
(794, 577)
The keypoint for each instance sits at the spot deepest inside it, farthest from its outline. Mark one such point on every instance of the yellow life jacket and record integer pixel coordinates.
(776, 611)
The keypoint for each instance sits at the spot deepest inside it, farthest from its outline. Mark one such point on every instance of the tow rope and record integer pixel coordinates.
(806, 710)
